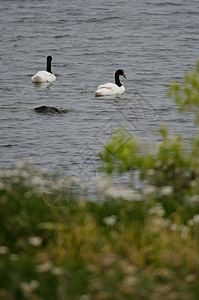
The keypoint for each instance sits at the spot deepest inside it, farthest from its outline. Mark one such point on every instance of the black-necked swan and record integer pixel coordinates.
(45, 76)
(111, 89)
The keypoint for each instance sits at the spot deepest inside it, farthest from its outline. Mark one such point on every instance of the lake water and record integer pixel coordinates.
(155, 42)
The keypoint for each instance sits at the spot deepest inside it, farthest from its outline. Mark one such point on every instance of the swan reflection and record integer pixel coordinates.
(43, 85)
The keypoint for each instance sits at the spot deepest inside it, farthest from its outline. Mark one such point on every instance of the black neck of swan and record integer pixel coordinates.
(48, 68)
(117, 80)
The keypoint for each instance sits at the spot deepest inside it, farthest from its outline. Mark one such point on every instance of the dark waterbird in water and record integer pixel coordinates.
(47, 110)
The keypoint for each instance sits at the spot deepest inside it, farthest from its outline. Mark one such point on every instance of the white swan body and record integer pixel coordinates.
(111, 89)
(45, 76)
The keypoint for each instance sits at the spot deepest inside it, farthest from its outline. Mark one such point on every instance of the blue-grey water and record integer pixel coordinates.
(154, 41)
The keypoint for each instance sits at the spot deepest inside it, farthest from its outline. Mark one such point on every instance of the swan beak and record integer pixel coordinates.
(124, 75)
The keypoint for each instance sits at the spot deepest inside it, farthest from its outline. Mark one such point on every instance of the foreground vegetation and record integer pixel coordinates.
(127, 244)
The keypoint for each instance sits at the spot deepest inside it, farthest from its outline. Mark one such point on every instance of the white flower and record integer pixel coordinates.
(57, 271)
(166, 223)
(151, 172)
(190, 278)
(196, 219)
(149, 190)
(158, 221)
(102, 183)
(24, 174)
(36, 180)
(111, 220)
(174, 227)
(157, 210)
(159, 162)
(45, 267)
(129, 281)
(166, 191)
(112, 192)
(4, 250)
(137, 197)
(122, 193)
(130, 195)
(110, 259)
(194, 183)
(35, 241)
(29, 287)
(194, 199)
(184, 231)
(8, 173)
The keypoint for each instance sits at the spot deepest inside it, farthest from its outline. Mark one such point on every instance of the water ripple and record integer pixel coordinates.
(155, 42)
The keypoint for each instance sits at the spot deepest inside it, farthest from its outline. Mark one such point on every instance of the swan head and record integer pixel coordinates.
(120, 72)
(117, 74)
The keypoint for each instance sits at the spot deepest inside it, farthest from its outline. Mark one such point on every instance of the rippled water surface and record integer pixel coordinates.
(155, 42)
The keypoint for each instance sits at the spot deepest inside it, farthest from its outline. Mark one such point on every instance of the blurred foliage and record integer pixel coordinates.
(104, 249)
(186, 94)
(130, 243)
(169, 170)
